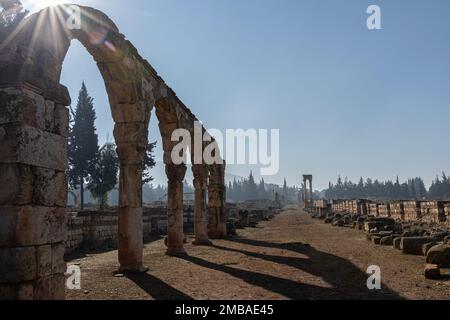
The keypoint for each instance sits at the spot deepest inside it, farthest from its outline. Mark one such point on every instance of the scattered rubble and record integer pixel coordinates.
(413, 227)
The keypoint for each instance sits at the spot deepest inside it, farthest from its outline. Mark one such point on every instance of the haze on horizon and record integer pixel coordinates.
(347, 100)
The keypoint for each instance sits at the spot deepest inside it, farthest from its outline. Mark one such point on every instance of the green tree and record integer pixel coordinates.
(262, 193)
(103, 177)
(82, 143)
(148, 163)
(251, 188)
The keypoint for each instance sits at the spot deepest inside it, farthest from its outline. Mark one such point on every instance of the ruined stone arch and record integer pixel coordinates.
(33, 132)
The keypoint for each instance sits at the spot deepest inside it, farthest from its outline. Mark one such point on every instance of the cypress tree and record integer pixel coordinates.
(82, 143)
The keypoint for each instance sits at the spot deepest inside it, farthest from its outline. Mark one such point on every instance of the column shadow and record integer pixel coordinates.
(156, 288)
(348, 281)
(285, 287)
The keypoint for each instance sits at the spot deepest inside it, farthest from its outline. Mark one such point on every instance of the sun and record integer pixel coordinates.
(36, 5)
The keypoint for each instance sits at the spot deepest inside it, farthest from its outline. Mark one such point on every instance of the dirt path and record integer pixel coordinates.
(269, 262)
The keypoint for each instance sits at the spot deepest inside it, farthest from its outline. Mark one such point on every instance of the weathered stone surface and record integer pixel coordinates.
(29, 226)
(376, 239)
(439, 255)
(175, 234)
(61, 120)
(21, 291)
(130, 186)
(16, 187)
(17, 264)
(28, 145)
(133, 132)
(413, 245)
(58, 264)
(397, 243)
(130, 239)
(126, 113)
(44, 260)
(432, 272)
(387, 241)
(123, 92)
(427, 246)
(50, 188)
(51, 287)
(200, 212)
(22, 106)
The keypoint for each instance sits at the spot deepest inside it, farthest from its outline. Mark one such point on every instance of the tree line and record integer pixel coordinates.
(247, 189)
(413, 188)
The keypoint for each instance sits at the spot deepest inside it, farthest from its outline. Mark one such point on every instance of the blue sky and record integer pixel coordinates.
(347, 100)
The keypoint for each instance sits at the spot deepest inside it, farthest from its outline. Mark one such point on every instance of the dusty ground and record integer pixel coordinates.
(269, 262)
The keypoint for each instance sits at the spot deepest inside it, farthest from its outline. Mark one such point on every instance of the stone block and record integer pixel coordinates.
(21, 291)
(28, 145)
(22, 106)
(58, 264)
(49, 116)
(61, 120)
(31, 226)
(432, 272)
(44, 260)
(16, 187)
(126, 113)
(50, 187)
(51, 287)
(17, 265)
(123, 92)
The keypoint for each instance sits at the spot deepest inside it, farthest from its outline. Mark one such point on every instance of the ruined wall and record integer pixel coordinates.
(447, 213)
(384, 210)
(94, 230)
(397, 211)
(412, 210)
(373, 209)
(33, 191)
(432, 212)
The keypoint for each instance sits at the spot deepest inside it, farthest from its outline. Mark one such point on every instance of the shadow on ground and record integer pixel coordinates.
(348, 281)
(156, 288)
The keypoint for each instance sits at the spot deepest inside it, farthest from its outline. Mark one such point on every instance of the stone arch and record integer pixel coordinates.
(33, 132)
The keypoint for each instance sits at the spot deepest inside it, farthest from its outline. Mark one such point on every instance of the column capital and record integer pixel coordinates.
(176, 172)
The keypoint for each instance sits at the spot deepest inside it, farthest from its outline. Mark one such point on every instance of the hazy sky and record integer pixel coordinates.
(347, 100)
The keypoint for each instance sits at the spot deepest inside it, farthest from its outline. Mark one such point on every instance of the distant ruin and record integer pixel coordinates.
(414, 227)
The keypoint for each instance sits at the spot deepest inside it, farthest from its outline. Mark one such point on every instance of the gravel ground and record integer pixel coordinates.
(289, 257)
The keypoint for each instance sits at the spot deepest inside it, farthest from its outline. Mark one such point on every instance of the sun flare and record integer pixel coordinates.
(35, 5)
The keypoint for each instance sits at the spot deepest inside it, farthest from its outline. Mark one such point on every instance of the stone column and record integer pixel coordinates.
(305, 191)
(33, 192)
(310, 191)
(130, 199)
(217, 227)
(200, 184)
(175, 234)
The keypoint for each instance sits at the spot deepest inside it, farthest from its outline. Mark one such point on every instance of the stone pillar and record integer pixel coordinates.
(175, 234)
(310, 191)
(33, 192)
(200, 184)
(130, 200)
(305, 191)
(217, 226)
